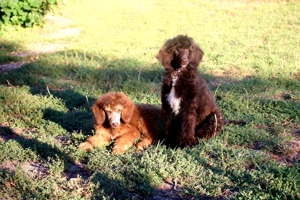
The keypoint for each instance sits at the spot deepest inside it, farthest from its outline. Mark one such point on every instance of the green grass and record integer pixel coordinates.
(251, 64)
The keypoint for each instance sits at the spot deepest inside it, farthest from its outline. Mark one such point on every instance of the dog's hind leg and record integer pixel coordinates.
(211, 126)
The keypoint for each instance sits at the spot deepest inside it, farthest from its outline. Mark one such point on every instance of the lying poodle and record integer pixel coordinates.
(117, 118)
(187, 103)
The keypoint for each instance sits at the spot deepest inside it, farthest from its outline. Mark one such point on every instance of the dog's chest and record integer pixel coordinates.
(173, 100)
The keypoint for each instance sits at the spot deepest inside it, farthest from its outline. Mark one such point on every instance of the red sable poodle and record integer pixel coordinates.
(187, 103)
(117, 118)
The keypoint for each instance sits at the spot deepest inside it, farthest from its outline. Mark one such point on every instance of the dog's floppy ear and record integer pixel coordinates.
(128, 107)
(195, 56)
(97, 108)
(164, 57)
(99, 114)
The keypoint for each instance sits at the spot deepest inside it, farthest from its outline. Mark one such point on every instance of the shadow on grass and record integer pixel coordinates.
(7, 50)
(78, 117)
(120, 189)
(78, 85)
(134, 184)
(43, 150)
(72, 120)
(79, 80)
(260, 177)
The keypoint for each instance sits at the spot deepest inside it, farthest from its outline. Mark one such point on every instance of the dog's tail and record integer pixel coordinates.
(235, 122)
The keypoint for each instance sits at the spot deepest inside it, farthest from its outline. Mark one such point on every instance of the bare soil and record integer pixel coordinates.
(44, 48)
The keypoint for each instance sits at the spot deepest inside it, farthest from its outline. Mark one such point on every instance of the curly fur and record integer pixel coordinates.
(196, 115)
(136, 121)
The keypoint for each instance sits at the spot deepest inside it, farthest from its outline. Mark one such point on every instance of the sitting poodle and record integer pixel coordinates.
(117, 118)
(187, 103)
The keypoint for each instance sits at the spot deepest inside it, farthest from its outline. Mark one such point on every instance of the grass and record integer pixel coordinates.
(251, 64)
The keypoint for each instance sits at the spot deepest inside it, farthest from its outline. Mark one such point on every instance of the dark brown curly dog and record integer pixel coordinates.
(118, 118)
(187, 103)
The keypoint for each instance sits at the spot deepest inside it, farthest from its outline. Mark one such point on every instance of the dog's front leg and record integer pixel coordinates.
(128, 136)
(166, 113)
(144, 143)
(186, 136)
(101, 137)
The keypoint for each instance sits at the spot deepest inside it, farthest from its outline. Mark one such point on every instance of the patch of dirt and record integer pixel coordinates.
(34, 170)
(37, 170)
(282, 96)
(4, 68)
(287, 150)
(76, 169)
(171, 190)
(64, 32)
(42, 48)
(258, 145)
(228, 77)
(59, 20)
(231, 73)
(292, 154)
(67, 32)
(63, 140)
(9, 165)
(8, 133)
(289, 154)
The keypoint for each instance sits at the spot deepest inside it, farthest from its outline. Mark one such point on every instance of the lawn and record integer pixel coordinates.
(50, 76)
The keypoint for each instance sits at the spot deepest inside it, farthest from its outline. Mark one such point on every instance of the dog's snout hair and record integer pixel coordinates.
(182, 57)
(115, 119)
(114, 116)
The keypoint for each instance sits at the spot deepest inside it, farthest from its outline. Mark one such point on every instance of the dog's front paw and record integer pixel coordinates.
(188, 142)
(143, 144)
(118, 150)
(85, 146)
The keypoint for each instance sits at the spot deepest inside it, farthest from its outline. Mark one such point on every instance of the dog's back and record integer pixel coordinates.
(148, 121)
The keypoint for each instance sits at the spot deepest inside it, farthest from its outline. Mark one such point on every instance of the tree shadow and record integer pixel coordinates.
(133, 184)
(247, 179)
(7, 50)
(47, 152)
(78, 117)
(120, 189)
(41, 78)
(78, 85)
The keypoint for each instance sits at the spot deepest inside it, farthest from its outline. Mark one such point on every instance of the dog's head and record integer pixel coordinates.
(180, 52)
(115, 107)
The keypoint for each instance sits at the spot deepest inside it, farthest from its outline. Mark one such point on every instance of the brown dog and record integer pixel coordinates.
(187, 102)
(118, 118)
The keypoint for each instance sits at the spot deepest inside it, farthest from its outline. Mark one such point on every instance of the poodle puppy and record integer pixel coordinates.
(118, 118)
(187, 103)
